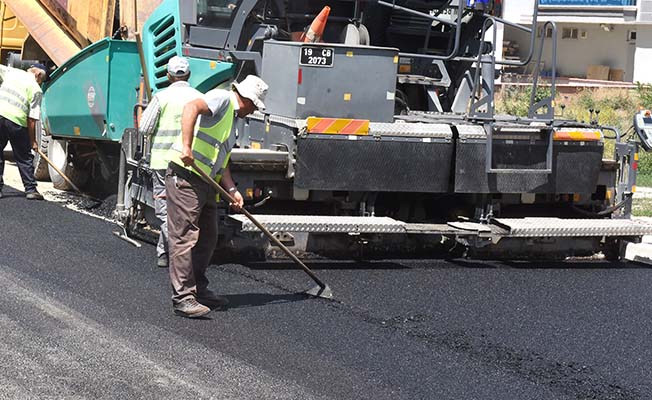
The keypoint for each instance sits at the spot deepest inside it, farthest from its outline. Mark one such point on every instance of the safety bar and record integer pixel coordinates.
(487, 101)
(458, 32)
(548, 102)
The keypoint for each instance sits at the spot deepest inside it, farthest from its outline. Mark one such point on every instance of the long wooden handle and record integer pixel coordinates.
(260, 226)
(59, 171)
(143, 65)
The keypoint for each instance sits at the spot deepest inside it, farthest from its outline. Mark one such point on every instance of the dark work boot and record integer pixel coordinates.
(34, 195)
(189, 308)
(162, 261)
(210, 299)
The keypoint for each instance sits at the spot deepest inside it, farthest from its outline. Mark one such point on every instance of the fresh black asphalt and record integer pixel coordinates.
(86, 315)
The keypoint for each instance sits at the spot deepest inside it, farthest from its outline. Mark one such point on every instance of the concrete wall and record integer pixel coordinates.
(644, 11)
(575, 55)
(518, 10)
(643, 56)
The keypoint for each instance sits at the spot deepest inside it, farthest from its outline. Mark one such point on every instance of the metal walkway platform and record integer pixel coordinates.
(502, 227)
(556, 227)
(322, 224)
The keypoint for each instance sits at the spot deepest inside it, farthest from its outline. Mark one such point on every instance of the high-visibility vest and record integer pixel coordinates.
(211, 146)
(168, 131)
(16, 95)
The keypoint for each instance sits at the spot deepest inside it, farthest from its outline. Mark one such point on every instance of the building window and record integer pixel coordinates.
(631, 36)
(569, 33)
(547, 29)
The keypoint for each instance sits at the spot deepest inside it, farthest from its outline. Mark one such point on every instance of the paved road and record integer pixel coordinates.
(85, 315)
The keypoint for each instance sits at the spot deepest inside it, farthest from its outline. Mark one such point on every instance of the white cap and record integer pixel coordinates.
(178, 66)
(254, 89)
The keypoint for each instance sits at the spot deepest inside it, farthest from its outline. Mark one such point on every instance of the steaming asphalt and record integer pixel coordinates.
(86, 315)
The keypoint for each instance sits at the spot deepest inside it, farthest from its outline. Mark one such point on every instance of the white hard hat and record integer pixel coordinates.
(178, 66)
(254, 89)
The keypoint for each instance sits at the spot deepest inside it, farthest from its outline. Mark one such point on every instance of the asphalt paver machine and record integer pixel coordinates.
(380, 139)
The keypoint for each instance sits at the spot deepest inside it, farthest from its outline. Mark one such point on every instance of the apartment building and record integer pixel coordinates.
(594, 37)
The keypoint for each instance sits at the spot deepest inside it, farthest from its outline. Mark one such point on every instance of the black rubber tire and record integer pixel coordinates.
(58, 154)
(41, 172)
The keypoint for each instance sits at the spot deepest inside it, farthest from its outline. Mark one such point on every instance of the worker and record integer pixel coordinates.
(161, 122)
(20, 109)
(191, 202)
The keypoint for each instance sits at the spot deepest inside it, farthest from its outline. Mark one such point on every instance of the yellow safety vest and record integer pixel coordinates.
(168, 131)
(16, 95)
(211, 146)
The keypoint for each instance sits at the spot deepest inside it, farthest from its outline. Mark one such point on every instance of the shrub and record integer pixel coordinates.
(515, 100)
(644, 92)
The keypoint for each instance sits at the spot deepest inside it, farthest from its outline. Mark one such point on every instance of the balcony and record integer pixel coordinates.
(588, 3)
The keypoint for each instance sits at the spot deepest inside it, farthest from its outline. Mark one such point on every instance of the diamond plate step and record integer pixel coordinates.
(421, 130)
(321, 224)
(504, 227)
(556, 227)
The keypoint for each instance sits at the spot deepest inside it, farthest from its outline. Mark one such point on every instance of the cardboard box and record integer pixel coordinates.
(617, 75)
(598, 72)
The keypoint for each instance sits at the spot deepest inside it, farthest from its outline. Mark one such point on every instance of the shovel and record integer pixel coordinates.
(97, 201)
(321, 290)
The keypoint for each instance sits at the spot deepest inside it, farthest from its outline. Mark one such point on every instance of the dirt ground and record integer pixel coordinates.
(12, 178)
(68, 199)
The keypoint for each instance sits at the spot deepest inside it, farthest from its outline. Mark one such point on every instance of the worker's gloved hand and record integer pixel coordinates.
(239, 201)
(186, 156)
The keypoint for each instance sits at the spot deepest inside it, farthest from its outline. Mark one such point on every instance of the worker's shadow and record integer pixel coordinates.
(8, 192)
(262, 299)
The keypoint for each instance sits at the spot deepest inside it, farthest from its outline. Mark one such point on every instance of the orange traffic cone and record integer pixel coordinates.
(317, 27)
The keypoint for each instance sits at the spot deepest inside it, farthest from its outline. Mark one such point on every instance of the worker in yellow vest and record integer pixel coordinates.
(161, 122)
(191, 202)
(20, 109)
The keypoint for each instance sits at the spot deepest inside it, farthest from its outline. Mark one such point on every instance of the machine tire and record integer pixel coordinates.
(58, 154)
(41, 167)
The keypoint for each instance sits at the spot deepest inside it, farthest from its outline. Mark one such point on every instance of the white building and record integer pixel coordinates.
(611, 33)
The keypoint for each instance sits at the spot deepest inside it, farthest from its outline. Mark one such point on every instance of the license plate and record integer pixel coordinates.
(315, 56)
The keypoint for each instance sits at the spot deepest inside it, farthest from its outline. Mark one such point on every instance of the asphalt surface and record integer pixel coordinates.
(86, 315)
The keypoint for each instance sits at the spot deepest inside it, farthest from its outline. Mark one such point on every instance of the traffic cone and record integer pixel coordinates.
(317, 27)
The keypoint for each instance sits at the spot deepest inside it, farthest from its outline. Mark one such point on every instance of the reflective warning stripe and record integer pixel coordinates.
(207, 138)
(338, 126)
(14, 93)
(202, 158)
(13, 102)
(162, 146)
(584, 136)
(168, 133)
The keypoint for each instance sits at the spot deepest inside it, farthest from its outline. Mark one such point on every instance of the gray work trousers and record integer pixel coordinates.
(192, 233)
(161, 211)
